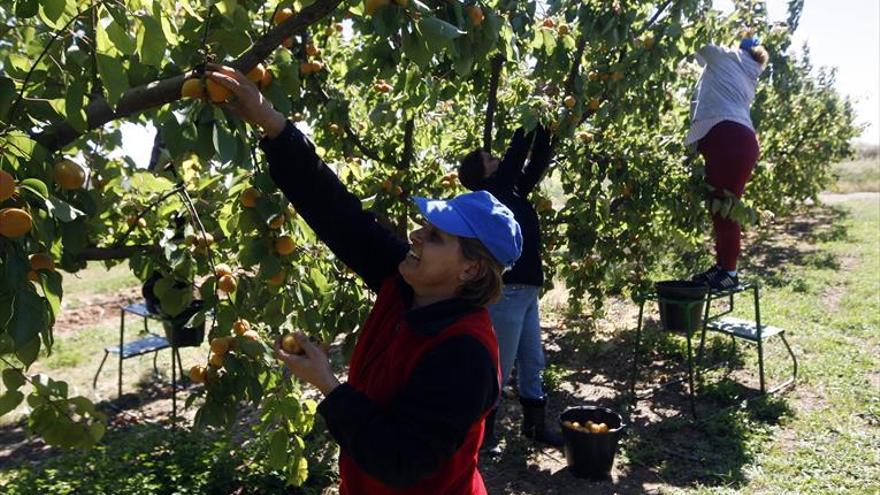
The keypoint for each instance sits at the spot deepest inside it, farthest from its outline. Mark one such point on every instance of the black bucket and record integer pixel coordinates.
(591, 455)
(180, 335)
(681, 304)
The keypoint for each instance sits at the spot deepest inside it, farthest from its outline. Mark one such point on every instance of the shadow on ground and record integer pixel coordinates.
(149, 403)
(665, 446)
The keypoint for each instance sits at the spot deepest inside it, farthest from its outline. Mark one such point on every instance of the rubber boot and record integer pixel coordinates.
(490, 445)
(534, 425)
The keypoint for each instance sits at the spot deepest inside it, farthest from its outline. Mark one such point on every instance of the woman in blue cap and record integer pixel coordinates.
(721, 128)
(425, 372)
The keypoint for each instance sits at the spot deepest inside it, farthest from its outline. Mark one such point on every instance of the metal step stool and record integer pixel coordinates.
(752, 331)
(150, 343)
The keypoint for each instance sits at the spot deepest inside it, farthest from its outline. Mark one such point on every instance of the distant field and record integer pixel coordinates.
(861, 175)
(96, 279)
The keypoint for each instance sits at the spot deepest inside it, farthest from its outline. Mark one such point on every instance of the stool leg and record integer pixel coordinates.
(731, 354)
(95, 380)
(793, 359)
(121, 339)
(155, 366)
(760, 339)
(690, 364)
(701, 349)
(173, 385)
(633, 374)
(179, 362)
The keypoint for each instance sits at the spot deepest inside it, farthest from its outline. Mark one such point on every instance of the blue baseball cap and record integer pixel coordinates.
(477, 215)
(748, 43)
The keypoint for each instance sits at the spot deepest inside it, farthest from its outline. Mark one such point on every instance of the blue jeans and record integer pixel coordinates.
(518, 328)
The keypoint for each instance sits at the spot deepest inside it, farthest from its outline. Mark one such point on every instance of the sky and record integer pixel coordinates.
(840, 33)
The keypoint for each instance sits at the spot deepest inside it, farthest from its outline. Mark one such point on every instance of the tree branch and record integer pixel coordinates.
(405, 162)
(158, 93)
(653, 18)
(407, 156)
(95, 253)
(491, 105)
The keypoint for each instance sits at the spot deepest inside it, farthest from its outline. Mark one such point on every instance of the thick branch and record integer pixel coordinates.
(95, 253)
(405, 163)
(158, 93)
(406, 158)
(492, 104)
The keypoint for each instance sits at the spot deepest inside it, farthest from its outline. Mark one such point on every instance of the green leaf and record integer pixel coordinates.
(62, 210)
(151, 41)
(416, 49)
(7, 96)
(36, 187)
(121, 39)
(254, 251)
(54, 8)
(53, 291)
(7, 300)
(28, 353)
(176, 300)
(463, 64)
(13, 379)
(299, 471)
(147, 183)
(278, 442)
(112, 76)
(320, 280)
(549, 41)
(225, 143)
(162, 286)
(9, 401)
(29, 317)
(438, 33)
(26, 8)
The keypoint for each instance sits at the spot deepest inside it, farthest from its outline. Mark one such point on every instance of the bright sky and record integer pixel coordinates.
(843, 34)
(840, 33)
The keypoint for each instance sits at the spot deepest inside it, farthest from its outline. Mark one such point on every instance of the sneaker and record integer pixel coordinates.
(703, 278)
(721, 280)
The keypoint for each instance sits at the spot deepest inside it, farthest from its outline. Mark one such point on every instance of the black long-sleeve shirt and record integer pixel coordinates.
(511, 184)
(450, 388)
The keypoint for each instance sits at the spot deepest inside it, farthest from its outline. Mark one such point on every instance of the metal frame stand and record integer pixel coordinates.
(151, 343)
(690, 354)
(754, 332)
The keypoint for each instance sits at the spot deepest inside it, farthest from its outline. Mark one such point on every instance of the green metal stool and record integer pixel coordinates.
(751, 331)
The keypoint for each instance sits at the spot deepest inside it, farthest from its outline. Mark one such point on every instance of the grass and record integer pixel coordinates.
(861, 175)
(824, 438)
(76, 355)
(95, 280)
(832, 444)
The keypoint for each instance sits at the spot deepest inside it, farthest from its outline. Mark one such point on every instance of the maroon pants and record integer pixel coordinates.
(730, 151)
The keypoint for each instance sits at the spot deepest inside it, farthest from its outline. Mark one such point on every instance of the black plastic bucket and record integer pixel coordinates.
(180, 335)
(591, 455)
(681, 304)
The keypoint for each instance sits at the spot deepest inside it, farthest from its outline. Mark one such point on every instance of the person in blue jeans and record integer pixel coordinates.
(516, 316)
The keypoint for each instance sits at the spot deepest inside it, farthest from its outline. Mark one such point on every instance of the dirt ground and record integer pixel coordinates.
(596, 370)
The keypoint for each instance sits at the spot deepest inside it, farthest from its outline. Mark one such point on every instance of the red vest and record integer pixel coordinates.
(386, 353)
